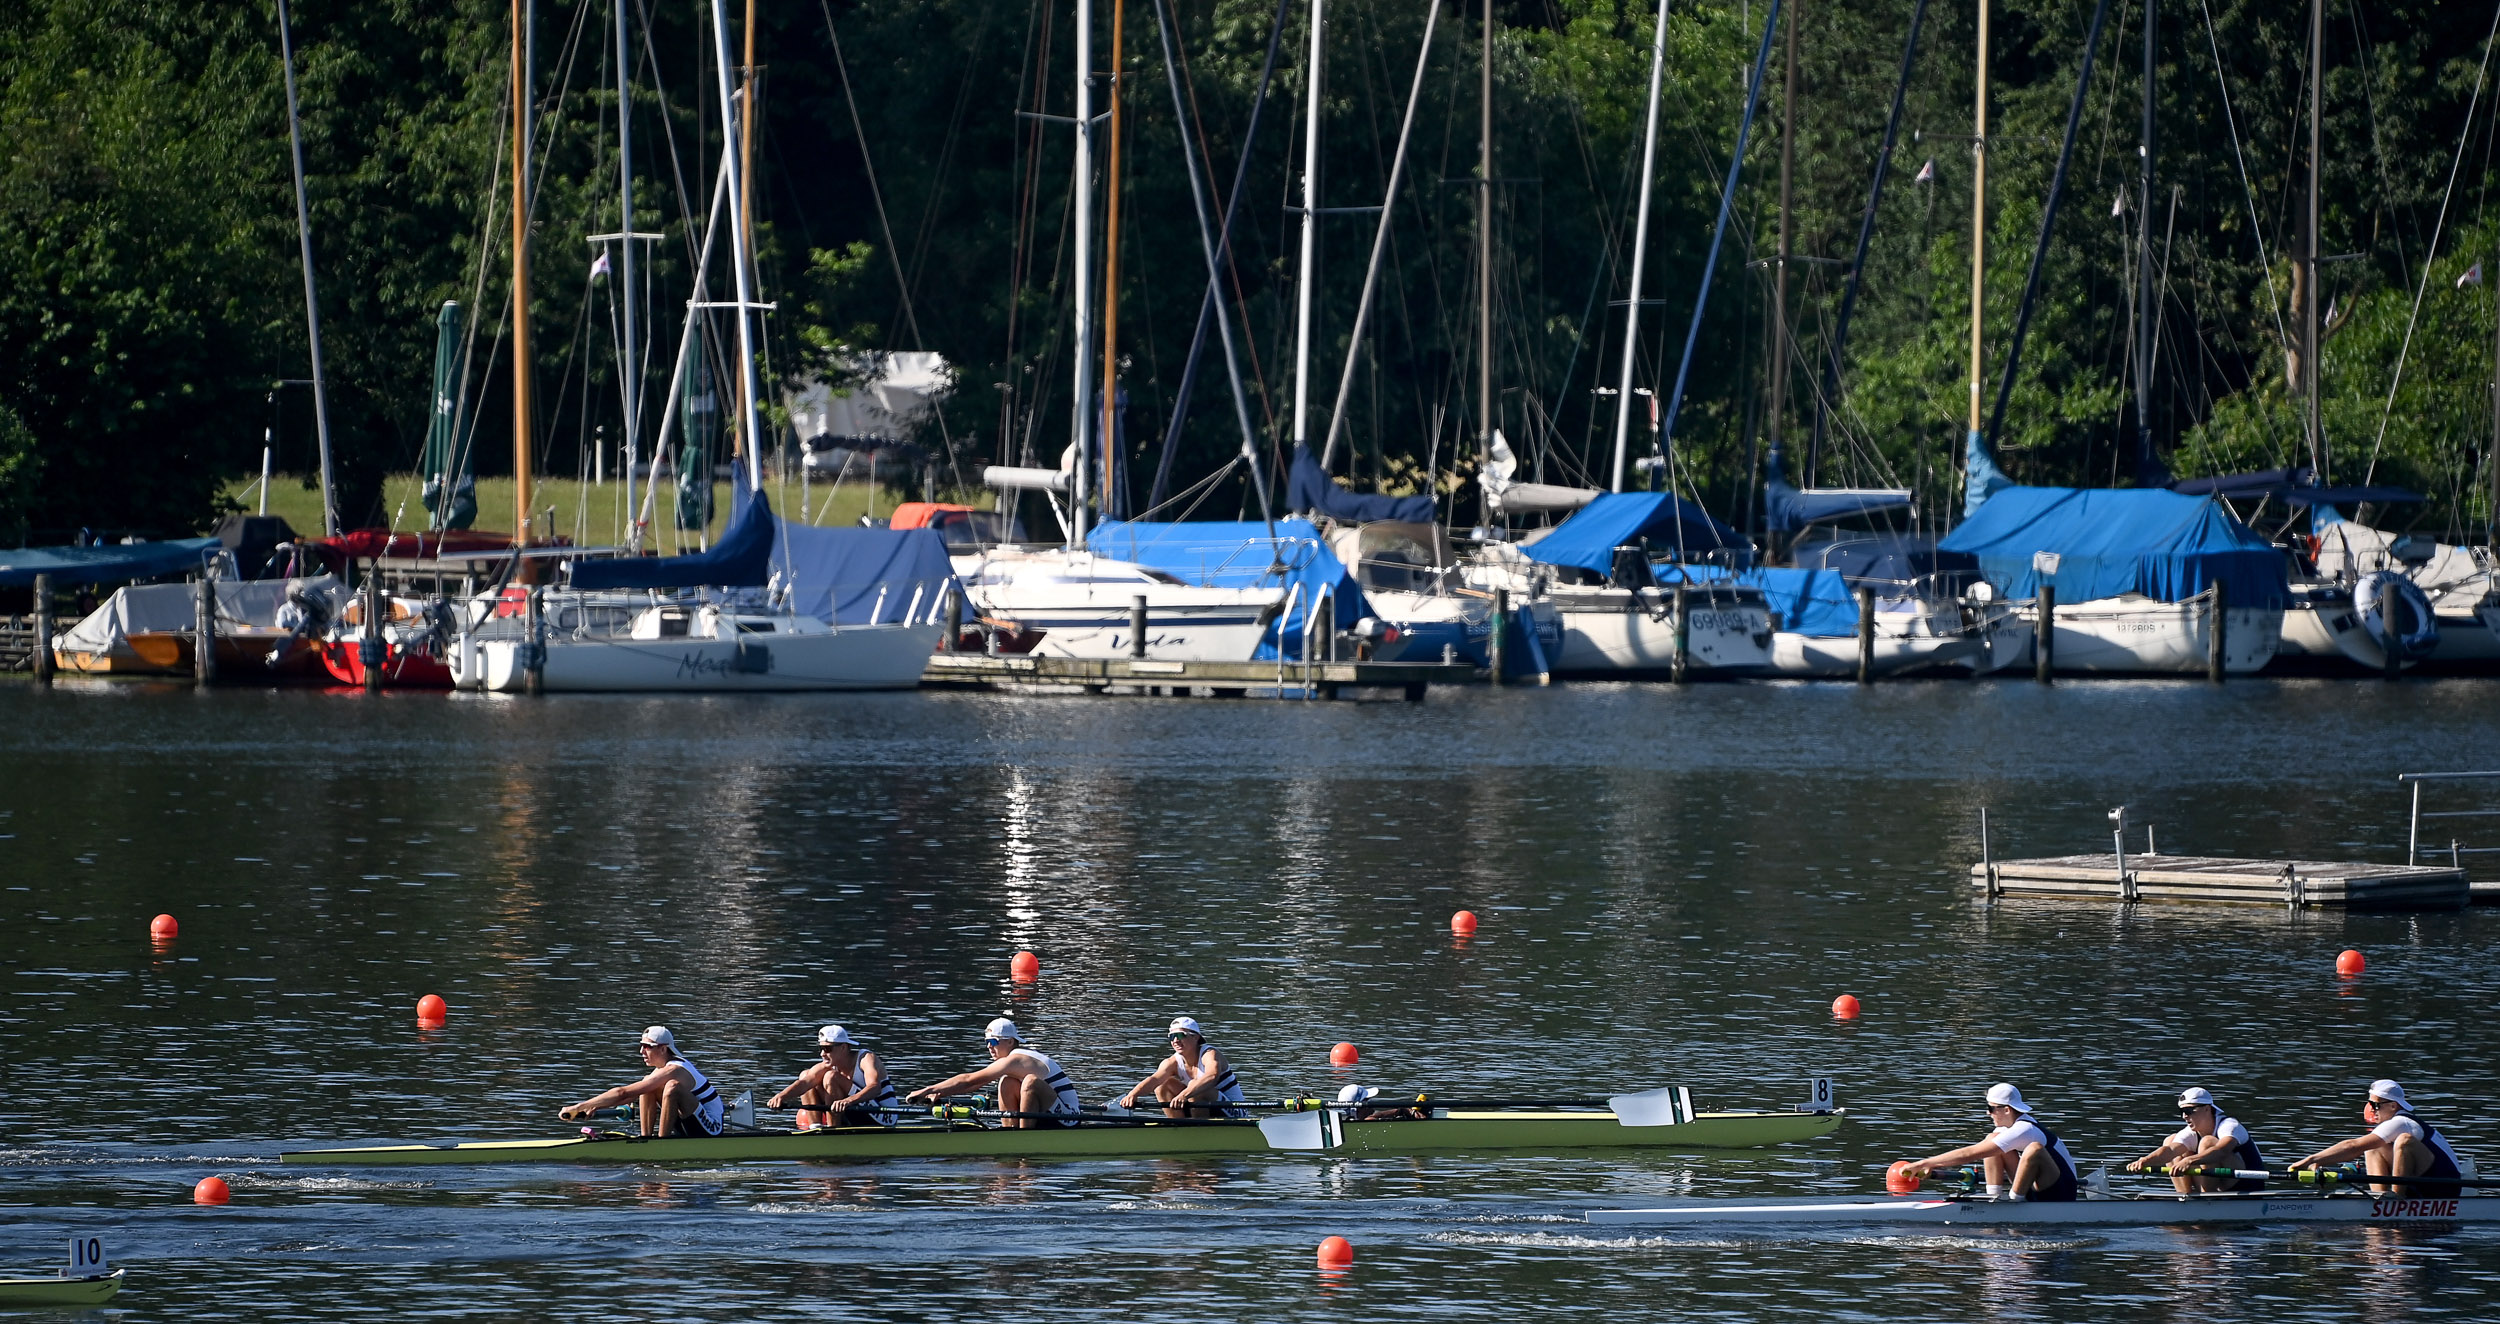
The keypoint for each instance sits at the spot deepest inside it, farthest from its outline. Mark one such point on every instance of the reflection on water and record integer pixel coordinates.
(1673, 885)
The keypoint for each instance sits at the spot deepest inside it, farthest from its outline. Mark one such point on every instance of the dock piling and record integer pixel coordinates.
(1683, 631)
(1496, 649)
(1137, 626)
(2044, 637)
(954, 617)
(2214, 636)
(369, 649)
(534, 645)
(1866, 636)
(204, 635)
(42, 658)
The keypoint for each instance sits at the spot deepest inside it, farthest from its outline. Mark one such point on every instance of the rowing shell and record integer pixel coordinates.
(2141, 1211)
(60, 1291)
(1453, 1131)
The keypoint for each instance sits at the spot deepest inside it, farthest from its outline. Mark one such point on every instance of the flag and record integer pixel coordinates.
(600, 267)
(2118, 205)
(2473, 276)
(1926, 173)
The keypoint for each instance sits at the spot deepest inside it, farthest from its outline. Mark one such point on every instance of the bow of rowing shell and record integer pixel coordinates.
(1457, 1131)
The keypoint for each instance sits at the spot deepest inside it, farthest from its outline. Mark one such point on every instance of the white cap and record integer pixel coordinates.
(1355, 1093)
(1186, 1025)
(2004, 1095)
(659, 1037)
(834, 1034)
(2195, 1095)
(2390, 1092)
(1003, 1028)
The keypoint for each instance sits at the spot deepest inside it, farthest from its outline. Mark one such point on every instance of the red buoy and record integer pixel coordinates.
(1026, 967)
(1336, 1253)
(1344, 1055)
(164, 928)
(211, 1190)
(1463, 923)
(1845, 1007)
(1898, 1178)
(431, 1009)
(2351, 963)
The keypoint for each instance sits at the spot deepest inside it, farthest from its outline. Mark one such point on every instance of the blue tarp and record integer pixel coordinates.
(1671, 524)
(1307, 487)
(2161, 544)
(1224, 554)
(1786, 509)
(743, 558)
(104, 563)
(1885, 558)
(836, 574)
(1816, 602)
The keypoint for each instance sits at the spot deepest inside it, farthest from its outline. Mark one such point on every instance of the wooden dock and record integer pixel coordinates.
(1221, 680)
(2218, 880)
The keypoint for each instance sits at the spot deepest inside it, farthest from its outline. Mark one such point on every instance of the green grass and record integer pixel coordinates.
(592, 515)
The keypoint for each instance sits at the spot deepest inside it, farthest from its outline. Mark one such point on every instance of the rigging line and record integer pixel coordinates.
(668, 126)
(876, 194)
(1380, 239)
(464, 424)
(2256, 229)
(948, 145)
(2430, 256)
(2378, 141)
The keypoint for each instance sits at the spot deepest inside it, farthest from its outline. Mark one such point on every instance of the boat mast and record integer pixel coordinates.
(1310, 232)
(312, 299)
(1640, 245)
(1084, 257)
(2146, 311)
(629, 369)
(1111, 275)
(749, 438)
(1777, 412)
(742, 255)
(1974, 449)
(521, 444)
(1484, 240)
(2309, 254)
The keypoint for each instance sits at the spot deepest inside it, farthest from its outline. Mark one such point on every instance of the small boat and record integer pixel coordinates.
(711, 647)
(2137, 1211)
(1453, 1130)
(53, 1290)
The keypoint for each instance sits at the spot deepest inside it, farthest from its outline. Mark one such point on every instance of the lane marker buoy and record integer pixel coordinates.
(431, 1009)
(2351, 962)
(1025, 968)
(211, 1190)
(1463, 923)
(1845, 1007)
(1335, 1253)
(1344, 1055)
(164, 928)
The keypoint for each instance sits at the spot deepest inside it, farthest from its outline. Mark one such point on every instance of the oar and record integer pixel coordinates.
(739, 1113)
(2327, 1177)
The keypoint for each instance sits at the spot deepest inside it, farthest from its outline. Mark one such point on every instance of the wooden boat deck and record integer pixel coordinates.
(2228, 881)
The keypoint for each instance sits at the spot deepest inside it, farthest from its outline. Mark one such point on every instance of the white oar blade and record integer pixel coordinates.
(1658, 1107)
(742, 1110)
(1295, 1131)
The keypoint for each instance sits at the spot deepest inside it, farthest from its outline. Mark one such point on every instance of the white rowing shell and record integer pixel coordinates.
(2152, 1211)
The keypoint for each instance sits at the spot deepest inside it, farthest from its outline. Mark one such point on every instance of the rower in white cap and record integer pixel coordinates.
(2023, 1159)
(1195, 1081)
(1028, 1081)
(847, 1086)
(675, 1099)
(2208, 1140)
(2398, 1144)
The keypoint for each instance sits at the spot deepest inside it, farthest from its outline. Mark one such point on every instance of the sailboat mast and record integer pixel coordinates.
(2309, 255)
(1111, 274)
(312, 298)
(2146, 311)
(629, 368)
(1310, 231)
(742, 255)
(1484, 239)
(521, 407)
(1083, 260)
(1640, 245)
(748, 440)
(1777, 413)
(1978, 235)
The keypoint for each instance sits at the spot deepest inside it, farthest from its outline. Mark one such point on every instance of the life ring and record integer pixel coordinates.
(2393, 607)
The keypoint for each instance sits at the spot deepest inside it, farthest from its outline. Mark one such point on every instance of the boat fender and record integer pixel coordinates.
(2396, 614)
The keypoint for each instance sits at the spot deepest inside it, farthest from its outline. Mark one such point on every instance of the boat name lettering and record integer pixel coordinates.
(2387, 1208)
(696, 664)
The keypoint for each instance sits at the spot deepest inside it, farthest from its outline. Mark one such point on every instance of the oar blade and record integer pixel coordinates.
(1317, 1129)
(1665, 1106)
(742, 1110)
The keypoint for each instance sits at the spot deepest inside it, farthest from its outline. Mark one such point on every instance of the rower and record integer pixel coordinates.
(1360, 1107)
(848, 1087)
(2208, 1140)
(2398, 1144)
(675, 1099)
(1028, 1081)
(1195, 1081)
(2024, 1160)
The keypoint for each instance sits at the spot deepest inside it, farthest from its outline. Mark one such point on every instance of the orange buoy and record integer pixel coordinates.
(1463, 923)
(1344, 1055)
(211, 1190)
(1898, 1178)
(2351, 962)
(1845, 1007)
(164, 928)
(1026, 967)
(1336, 1253)
(431, 1009)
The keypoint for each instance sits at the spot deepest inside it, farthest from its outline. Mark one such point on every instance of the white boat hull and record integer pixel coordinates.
(856, 657)
(1828, 656)
(2149, 1211)
(2137, 635)
(1082, 605)
(1618, 632)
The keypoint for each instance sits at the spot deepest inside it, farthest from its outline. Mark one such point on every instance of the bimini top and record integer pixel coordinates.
(1671, 524)
(2163, 545)
(104, 563)
(743, 558)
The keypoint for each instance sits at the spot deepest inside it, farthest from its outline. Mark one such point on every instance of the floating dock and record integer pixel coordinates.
(2218, 880)
(1221, 680)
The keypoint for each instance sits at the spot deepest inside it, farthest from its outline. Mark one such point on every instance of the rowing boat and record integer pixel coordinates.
(1451, 1131)
(2136, 1211)
(57, 1291)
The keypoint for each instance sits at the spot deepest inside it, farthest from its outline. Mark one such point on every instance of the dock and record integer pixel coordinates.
(1220, 680)
(2220, 880)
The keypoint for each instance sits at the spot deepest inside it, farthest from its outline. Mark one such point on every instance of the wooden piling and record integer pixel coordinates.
(369, 649)
(1137, 626)
(1866, 636)
(1683, 632)
(2214, 654)
(1497, 647)
(43, 630)
(2044, 637)
(204, 633)
(534, 644)
(954, 617)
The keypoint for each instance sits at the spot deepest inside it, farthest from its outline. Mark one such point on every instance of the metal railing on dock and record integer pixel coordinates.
(2456, 850)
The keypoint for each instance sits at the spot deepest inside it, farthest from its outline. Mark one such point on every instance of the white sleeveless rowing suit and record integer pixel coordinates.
(709, 1114)
(1062, 1089)
(1227, 1086)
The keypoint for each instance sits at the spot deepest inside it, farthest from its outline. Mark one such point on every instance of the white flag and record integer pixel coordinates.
(600, 267)
(1926, 173)
(2473, 276)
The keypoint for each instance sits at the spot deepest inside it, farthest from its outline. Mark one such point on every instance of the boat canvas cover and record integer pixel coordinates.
(2454, 579)
(2164, 545)
(174, 609)
(846, 576)
(1671, 525)
(1885, 560)
(1308, 487)
(1811, 602)
(104, 563)
(1787, 508)
(743, 558)
(1229, 554)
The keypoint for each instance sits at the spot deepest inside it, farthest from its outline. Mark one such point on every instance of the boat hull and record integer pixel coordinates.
(1488, 1131)
(1618, 633)
(860, 657)
(60, 1291)
(2150, 1211)
(2135, 635)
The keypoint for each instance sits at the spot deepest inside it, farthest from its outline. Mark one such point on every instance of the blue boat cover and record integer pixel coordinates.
(1815, 602)
(2297, 487)
(1228, 554)
(1786, 508)
(1981, 478)
(104, 563)
(743, 558)
(1885, 558)
(837, 574)
(2164, 545)
(1671, 524)
(1307, 487)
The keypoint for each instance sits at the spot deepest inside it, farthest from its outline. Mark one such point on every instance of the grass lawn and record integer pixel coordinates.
(592, 515)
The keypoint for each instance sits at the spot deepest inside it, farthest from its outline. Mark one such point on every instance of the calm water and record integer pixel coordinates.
(1673, 883)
